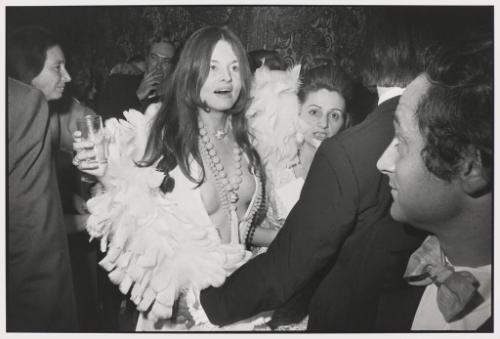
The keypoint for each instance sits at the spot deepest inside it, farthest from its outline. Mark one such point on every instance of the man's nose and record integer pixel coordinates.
(165, 68)
(386, 162)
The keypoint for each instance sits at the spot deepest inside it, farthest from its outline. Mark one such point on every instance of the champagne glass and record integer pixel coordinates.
(92, 130)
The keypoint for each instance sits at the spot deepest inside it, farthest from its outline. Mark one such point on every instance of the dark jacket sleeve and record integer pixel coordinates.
(309, 240)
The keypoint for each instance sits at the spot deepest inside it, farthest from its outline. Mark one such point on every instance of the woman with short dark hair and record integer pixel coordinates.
(40, 296)
(35, 57)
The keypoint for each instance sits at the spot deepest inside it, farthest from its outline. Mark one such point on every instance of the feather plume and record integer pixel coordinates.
(155, 249)
(276, 128)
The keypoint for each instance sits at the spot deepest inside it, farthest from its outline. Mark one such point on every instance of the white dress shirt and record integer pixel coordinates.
(386, 93)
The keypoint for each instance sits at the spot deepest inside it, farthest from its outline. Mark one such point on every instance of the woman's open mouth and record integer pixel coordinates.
(224, 91)
(320, 135)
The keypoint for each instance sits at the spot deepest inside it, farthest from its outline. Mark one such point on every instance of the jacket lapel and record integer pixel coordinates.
(397, 308)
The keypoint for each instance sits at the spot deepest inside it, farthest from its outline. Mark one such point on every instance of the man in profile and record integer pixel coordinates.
(125, 91)
(439, 166)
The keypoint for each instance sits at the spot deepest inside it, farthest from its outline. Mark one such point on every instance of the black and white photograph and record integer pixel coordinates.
(262, 168)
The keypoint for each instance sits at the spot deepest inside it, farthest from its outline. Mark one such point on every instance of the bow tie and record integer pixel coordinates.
(457, 291)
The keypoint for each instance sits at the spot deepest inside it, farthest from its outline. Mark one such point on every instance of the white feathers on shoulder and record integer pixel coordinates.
(273, 116)
(276, 128)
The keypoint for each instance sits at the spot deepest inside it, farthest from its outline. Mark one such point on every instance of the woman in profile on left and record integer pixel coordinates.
(40, 295)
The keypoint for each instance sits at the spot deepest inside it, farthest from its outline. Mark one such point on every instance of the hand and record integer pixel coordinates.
(85, 156)
(148, 85)
(80, 204)
(181, 314)
(96, 189)
(75, 223)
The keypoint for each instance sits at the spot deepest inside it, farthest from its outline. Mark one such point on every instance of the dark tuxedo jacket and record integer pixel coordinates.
(339, 235)
(40, 294)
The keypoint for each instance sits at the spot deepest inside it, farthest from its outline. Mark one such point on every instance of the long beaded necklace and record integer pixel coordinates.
(227, 187)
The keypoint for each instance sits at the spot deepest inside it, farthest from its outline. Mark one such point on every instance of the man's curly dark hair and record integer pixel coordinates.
(456, 114)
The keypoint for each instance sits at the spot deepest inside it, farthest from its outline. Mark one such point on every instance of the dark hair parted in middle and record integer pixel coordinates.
(328, 77)
(456, 114)
(174, 133)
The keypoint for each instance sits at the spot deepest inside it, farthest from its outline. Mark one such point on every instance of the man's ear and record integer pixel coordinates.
(474, 179)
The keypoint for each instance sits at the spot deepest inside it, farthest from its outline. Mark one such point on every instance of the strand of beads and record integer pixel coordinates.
(223, 198)
(221, 133)
(230, 185)
(228, 188)
(246, 229)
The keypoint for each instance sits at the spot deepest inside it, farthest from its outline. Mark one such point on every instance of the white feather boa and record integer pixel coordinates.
(277, 129)
(154, 248)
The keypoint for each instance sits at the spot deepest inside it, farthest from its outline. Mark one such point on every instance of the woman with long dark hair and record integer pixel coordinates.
(190, 191)
(203, 113)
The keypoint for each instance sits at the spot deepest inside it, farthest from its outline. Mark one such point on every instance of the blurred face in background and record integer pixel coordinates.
(324, 112)
(54, 76)
(160, 58)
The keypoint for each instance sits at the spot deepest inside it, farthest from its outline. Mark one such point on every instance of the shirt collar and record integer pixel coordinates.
(386, 93)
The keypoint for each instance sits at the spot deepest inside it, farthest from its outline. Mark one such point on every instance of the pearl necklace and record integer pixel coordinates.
(220, 133)
(227, 187)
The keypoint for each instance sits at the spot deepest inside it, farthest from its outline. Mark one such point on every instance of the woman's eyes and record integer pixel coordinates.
(59, 67)
(334, 116)
(331, 116)
(314, 112)
(234, 68)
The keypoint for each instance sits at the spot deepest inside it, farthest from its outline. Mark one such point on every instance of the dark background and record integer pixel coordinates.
(95, 38)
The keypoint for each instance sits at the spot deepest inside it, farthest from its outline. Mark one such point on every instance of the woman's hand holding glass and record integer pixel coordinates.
(90, 145)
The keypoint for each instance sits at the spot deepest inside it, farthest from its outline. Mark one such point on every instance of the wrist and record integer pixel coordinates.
(140, 96)
(106, 182)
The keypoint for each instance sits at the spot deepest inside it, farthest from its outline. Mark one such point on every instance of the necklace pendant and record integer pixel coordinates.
(233, 197)
(220, 134)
